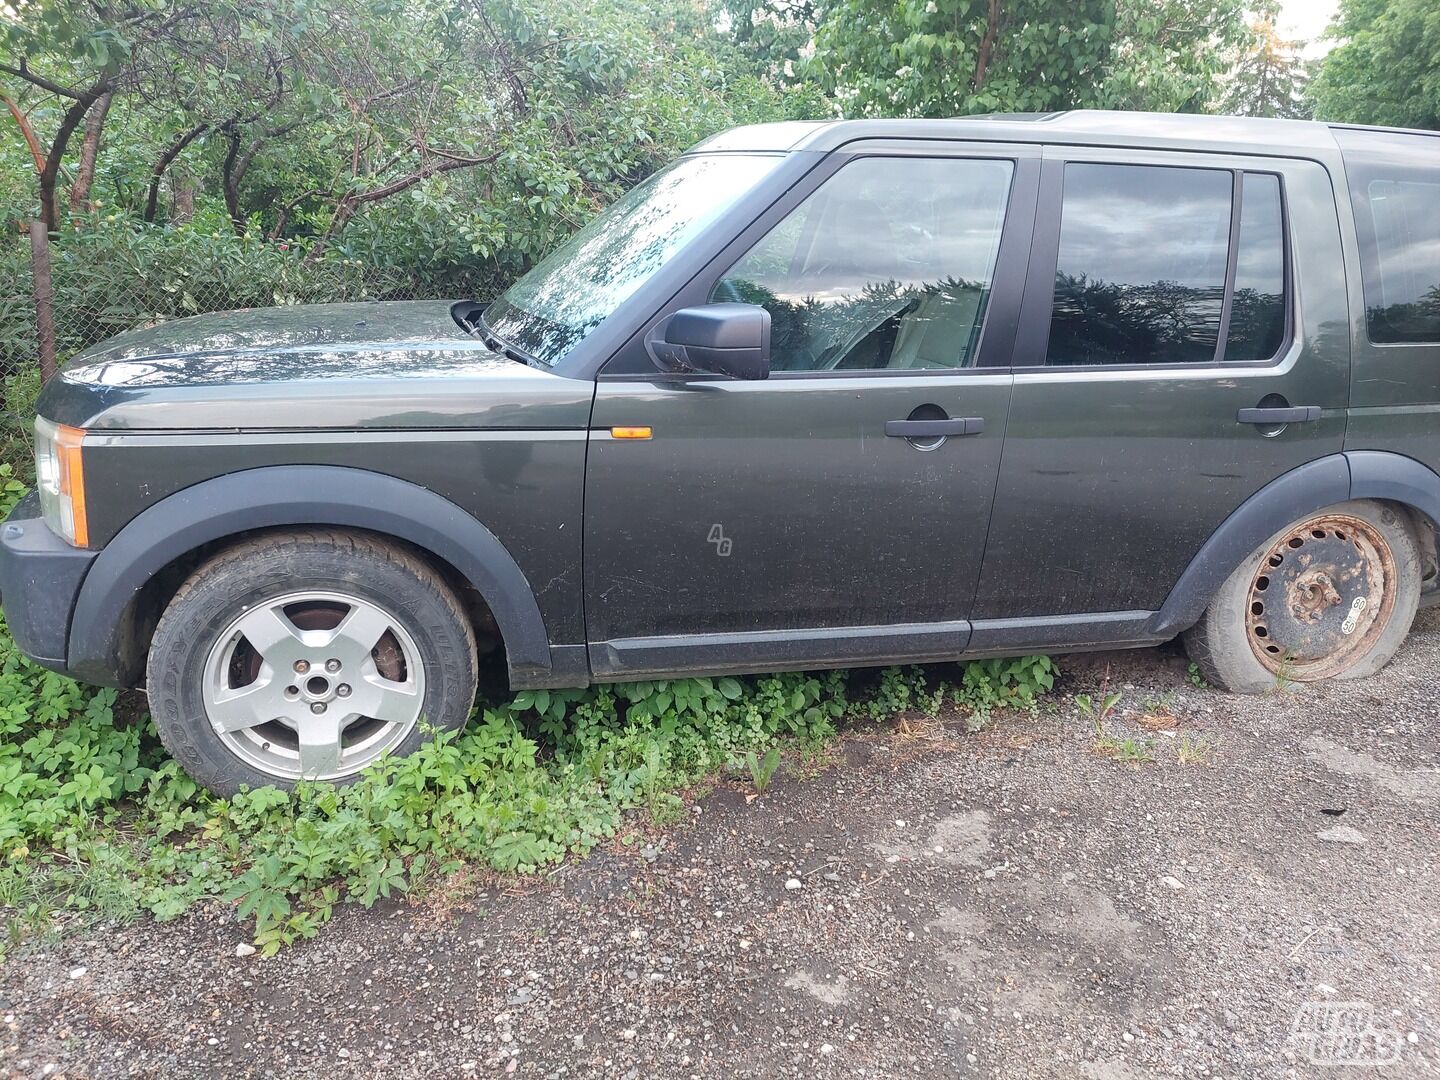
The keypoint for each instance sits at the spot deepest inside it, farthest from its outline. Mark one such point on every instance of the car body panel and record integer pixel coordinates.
(525, 486)
(340, 366)
(1120, 495)
(1091, 513)
(759, 507)
(1395, 388)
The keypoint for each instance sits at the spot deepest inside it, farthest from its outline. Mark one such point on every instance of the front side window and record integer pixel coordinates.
(887, 266)
(577, 286)
(1399, 224)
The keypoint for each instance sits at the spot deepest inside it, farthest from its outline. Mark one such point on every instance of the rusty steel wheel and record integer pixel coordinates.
(1331, 596)
(1321, 597)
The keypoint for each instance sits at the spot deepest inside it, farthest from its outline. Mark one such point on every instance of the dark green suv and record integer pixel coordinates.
(813, 395)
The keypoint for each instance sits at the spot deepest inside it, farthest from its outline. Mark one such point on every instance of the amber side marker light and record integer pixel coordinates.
(631, 433)
(68, 441)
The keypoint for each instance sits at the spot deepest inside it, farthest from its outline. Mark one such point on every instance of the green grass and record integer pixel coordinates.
(97, 823)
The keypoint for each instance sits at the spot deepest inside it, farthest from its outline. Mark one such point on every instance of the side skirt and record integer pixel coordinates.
(864, 646)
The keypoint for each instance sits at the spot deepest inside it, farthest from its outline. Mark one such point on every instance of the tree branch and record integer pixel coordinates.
(351, 203)
(23, 71)
(37, 155)
(89, 151)
(168, 155)
(987, 45)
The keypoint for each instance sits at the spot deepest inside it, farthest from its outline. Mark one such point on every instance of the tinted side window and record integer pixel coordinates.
(1143, 257)
(1398, 218)
(1257, 306)
(887, 265)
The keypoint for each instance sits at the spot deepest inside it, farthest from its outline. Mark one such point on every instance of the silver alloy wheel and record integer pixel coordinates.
(313, 685)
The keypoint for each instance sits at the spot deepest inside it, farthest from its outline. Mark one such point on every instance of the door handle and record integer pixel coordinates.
(1289, 414)
(934, 429)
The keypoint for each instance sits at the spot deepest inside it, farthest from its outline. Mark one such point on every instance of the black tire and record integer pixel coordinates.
(242, 578)
(1226, 644)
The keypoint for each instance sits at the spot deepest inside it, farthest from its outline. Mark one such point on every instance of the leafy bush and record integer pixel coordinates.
(113, 273)
(96, 821)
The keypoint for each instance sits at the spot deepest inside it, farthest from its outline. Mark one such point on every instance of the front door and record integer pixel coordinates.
(1169, 296)
(836, 512)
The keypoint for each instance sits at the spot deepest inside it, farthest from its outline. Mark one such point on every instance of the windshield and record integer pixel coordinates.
(578, 285)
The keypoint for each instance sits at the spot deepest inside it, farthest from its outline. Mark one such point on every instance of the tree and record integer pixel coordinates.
(1386, 67)
(75, 56)
(1170, 55)
(947, 57)
(1269, 78)
(773, 34)
(953, 57)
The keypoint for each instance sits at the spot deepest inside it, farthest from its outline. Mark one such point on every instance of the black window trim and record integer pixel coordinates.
(1040, 286)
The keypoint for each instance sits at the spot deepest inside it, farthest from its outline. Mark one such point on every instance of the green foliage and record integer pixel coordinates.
(1098, 709)
(1017, 683)
(114, 274)
(949, 57)
(1172, 55)
(97, 822)
(943, 57)
(1270, 76)
(1386, 67)
(762, 769)
(1195, 676)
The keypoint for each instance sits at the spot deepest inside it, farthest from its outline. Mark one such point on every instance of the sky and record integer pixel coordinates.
(1306, 20)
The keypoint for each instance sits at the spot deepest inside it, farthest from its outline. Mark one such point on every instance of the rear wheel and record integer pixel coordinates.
(1332, 596)
(307, 656)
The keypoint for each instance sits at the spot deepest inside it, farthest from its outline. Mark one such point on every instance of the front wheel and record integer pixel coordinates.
(1332, 596)
(307, 655)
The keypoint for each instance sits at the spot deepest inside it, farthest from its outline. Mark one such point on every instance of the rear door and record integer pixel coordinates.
(801, 520)
(1395, 388)
(1169, 295)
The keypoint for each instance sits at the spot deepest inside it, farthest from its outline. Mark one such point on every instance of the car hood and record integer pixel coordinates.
(316, 366)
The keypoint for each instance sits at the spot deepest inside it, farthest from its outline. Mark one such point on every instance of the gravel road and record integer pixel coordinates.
(1262, 899)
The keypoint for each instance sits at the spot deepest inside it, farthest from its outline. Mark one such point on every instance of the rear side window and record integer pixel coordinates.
(1398, 219)
(1257, 307)
(1145, 274)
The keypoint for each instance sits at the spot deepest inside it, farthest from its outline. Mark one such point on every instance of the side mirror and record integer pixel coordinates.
(718, 339)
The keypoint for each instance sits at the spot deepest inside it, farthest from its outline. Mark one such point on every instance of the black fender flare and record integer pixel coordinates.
(296, 495)
(1336, 478)
(1376, 474)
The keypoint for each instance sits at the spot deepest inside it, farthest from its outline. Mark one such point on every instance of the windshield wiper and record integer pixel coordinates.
(503, 347)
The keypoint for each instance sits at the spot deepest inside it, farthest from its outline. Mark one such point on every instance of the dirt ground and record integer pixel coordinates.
(1260, 900)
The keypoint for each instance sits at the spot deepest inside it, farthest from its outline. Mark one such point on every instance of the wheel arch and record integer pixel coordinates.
(168, 537)
(1336, 478)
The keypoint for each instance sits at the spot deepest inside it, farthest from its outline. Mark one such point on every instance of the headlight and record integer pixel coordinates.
(60, 476)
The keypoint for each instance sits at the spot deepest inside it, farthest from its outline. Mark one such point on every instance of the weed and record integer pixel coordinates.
(1197, 679)
(1194, 750)
(1158, 715)
(762, 769)
(1285, 680)
(1131, 751)
(97, 823)
(1098, 709)
(1017, 683)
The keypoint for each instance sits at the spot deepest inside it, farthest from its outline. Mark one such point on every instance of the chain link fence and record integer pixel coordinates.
(105, 286)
